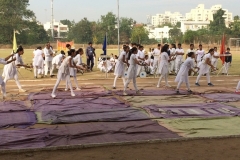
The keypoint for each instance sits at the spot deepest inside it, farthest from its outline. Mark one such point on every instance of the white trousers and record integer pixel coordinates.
(161, 77)
(180, 83)
(115, 81)
(16, 80)
(68, 82)
(155, 65)
(207, 75)
(3, 87)
(226, 68)
(171, 66)
(134, 84)
(215, 63)
(48, 66)
(139, 69)
(177, 65)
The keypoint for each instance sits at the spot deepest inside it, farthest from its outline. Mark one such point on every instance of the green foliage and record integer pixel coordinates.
(217, 26)
(139, 34)
(235, 27)
(67, 22)
(175, 35)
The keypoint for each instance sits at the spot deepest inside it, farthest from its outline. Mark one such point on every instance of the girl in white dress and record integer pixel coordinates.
(163, 68)
(120, 66)
(37, 61)
(10, 70)
(173, 57)
(205, 66)
(76, 61)
(64, 72)
(182, 76)
(132, 70)
(2, 83)
(57, 60)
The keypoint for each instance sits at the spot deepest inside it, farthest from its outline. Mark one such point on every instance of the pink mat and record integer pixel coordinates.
(223, 97)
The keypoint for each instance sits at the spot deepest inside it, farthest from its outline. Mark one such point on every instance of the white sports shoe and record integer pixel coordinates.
(73, 94)
(125, 94)
(66, 89)
(22, 90)
(78, 89)
(158, 86)
(53, 95)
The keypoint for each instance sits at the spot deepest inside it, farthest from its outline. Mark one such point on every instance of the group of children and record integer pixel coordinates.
(165, 60)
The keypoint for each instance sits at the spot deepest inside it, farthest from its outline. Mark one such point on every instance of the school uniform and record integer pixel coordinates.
(132, 73)
(182, 76)
(2, 83)
(178, 60)
(63, 74)
(156, 54)
(227, 63)
(37, 62)
(140, 68)
(163, 68)
(172, 63)
(199, 54)
(56, 62)
(48, 60)
(215, 60)
(204, 68)
(10, 71)
(120, 69)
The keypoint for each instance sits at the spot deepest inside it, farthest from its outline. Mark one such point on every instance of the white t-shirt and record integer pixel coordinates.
(200, 54)
(47, 53)
(189, 50)
(215, 54)
(173, 51)
(140, 54)
(206, 56)
(179, 57)
(156, 53)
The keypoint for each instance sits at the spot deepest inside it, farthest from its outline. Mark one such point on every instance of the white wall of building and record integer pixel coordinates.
(59, 27)
(158, 33)
(202, 14)
(167, 17)
(193, 25)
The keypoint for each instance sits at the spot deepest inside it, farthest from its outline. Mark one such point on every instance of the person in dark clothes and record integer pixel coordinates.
(228, 61)
(90, 54)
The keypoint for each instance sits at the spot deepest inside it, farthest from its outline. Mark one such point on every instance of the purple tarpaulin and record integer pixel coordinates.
(22, 119)
(23, 139)
(14, 106)
(223, 97)
(107, 132)
(150, 92)
(191, 110)
(85, 110)
(87, 91)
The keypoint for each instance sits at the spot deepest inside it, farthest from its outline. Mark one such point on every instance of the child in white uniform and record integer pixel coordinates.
(10, 70)
(57, 60)
(204, 67)
(179, 57)
(2, 83)
(163, 68)
(199, 54)
(182, 76)
(120, 66)
(132, 70)
(156, 54)
(173, 57)
(64, 72)
(37, 61)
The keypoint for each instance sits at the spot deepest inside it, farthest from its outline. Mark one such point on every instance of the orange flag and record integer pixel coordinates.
(222, 49)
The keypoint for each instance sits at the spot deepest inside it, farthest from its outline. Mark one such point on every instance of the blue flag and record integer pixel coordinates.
(105, 45)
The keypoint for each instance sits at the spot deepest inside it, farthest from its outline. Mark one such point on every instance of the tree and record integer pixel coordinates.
(175, 35)
(189, 36)
(67, 22)
(126, 29)
(178, 25)
(81, 32)
(14, 15)
(218, 26)
(235, 27)
(139, 34)
(33, 34)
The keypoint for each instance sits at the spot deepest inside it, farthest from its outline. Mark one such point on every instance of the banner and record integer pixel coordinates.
(222, 49)
(14, 42)
(62, 45)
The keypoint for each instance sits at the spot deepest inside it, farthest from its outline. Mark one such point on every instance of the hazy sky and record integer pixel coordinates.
(136, 9)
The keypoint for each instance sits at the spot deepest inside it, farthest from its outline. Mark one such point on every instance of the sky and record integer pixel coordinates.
(136, 9)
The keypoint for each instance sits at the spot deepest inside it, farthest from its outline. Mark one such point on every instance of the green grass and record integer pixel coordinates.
(28, 56)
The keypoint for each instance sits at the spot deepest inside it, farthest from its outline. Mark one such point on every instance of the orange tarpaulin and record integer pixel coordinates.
(222, 49)
(62, 45)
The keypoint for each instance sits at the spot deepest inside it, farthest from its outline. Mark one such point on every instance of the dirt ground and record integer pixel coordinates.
(209, 149)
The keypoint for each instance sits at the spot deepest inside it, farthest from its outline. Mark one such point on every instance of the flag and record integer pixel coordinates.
(222, 49)
(14, 42)
(105, 45)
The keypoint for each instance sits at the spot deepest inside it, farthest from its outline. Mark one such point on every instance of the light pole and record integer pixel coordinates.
(52, 20)
(118, 29)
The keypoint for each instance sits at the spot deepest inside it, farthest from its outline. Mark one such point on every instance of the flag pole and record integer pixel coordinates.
(118, 29)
